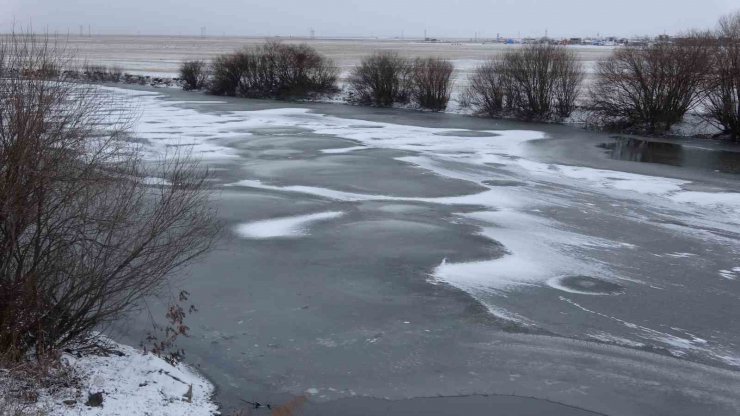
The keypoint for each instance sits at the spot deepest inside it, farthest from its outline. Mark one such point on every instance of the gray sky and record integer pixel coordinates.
(383, 18)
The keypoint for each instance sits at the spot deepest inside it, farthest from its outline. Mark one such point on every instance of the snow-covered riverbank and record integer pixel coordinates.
(131, 383)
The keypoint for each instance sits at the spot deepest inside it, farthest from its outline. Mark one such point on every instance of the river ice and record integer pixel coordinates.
(623, 258)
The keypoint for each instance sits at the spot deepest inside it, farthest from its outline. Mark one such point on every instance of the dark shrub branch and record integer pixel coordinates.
(536, 82)
(194, 75)
(381, 79)
(722, 106)
(650, 88)
(431, 83)
(273, 70)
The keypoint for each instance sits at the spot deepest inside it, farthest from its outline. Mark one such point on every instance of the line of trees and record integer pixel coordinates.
(639, 88)
(646, 88)
(277, 70)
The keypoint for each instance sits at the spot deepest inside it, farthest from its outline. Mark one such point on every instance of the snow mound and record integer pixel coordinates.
(133, 383)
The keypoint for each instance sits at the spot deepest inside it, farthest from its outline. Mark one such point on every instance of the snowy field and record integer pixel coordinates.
(326, 203)
(161, 56)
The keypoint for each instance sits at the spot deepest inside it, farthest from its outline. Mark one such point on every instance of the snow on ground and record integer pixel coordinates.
(287, 227)
(134, 383)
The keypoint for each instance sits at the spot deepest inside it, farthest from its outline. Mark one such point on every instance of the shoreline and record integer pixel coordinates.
(120, 380)
(576, 121)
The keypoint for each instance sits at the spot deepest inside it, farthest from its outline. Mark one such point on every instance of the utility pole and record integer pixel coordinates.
(82, 33)
(203, 32)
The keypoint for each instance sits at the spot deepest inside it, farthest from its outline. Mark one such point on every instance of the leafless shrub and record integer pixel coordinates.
(722, 105)
(535, 82)
(300, 70)
(431, 82)
(194, 75)
(84, 235)
(273, 70)
(487, 89)
(225, 75)
(569, 74)
(649, 88)
(381, 79)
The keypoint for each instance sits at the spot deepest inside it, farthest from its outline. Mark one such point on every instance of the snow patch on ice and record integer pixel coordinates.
(341, 150)
(537, 252)
(730, 274)
(287, 227)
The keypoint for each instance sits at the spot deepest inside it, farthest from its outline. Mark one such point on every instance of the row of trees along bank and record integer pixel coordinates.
(646, 88)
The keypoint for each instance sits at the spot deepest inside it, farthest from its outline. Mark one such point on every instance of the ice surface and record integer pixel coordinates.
(166, 124)
(540, 251)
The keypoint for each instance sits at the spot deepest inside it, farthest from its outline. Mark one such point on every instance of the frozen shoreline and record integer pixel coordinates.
(131, 382)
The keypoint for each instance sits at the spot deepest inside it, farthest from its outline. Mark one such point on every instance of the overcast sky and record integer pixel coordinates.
(383, 18)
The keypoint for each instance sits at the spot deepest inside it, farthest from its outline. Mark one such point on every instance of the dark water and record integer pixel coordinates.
(674, 154)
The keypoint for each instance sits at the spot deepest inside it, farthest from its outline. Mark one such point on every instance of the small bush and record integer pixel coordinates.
(225, 75)
(540, 82)
(431, 83)
(649, 88)
(722, 106)
(273, 70)
(381, 79)
(487, 89)
(194, 75)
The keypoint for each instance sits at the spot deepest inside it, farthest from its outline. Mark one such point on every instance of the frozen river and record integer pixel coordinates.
(399, 254)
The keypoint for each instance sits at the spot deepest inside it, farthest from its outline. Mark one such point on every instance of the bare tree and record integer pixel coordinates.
(431, 82)
(540, 82)
(381, 79)
(194, 75)
(722, 106)
(569, 74)
(650, 88)
(85, 232)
